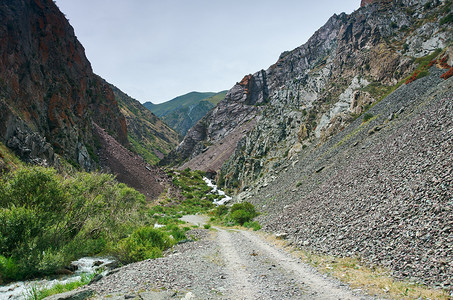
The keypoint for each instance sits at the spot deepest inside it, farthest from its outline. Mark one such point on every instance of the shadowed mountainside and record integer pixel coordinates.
(49, 95)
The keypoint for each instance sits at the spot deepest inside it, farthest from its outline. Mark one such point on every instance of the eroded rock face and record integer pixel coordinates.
(48, 84)
(26, 143)
(240, 106)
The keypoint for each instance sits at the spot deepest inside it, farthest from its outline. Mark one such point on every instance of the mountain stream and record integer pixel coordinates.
(21, 289)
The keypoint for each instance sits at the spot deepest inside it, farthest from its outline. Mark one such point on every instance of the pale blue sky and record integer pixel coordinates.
(155, 50)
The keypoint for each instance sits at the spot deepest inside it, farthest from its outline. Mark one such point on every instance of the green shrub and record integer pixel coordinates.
(240, 216)
(242, 212)
(446, 19)
(46, 220)
(207, 226)
(221, 210)
(177, 233)
(144, 243)
(254, 225)
(8, 269)
(367, 117)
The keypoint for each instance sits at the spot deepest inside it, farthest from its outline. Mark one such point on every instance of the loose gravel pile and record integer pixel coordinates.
(381, 190)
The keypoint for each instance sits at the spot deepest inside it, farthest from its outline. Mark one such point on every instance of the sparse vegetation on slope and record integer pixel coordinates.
(356, 273)
(8, 161)
(147, 134)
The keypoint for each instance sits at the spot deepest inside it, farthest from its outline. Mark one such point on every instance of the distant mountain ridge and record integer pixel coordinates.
(184, 111)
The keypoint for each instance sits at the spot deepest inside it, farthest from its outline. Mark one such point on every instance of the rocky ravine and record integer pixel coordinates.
(148, 135)
(131, 169)
(380, 190)
(222, 264)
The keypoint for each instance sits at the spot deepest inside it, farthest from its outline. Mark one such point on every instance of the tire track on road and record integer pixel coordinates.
(241, 287)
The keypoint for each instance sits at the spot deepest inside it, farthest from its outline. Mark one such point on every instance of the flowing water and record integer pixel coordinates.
(223, 199)
(21, 289)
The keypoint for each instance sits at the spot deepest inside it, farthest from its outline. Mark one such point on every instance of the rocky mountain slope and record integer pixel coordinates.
(346, 142)
(317, 89)
(182, 112)
(49, 96)
(380, 190)
(147, 134)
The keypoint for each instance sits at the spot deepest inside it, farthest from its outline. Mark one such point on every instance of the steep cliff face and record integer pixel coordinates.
(49, 95)
(316, 90)
(239, 107)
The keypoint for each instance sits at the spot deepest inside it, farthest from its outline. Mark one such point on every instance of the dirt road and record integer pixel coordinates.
(223, 264)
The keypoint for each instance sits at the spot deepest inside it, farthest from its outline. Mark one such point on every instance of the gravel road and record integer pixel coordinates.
(221, 264)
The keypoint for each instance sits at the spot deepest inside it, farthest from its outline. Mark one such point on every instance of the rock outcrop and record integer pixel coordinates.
(368, 2)
(239, 107)
(48, 92)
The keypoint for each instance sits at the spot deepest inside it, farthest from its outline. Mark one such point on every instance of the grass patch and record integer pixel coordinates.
(35, 293)
(422, 69)
(446, 19)
(367, 117)
(8, 161)
(197, 194)
(144, 150)
(377, 90)
(253, 225)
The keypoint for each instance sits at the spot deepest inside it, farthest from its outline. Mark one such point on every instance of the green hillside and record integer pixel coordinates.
(186, 100)
(182, 112)
(217, 97)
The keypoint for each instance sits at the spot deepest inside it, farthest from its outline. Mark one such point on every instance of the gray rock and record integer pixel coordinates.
(81, 294)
